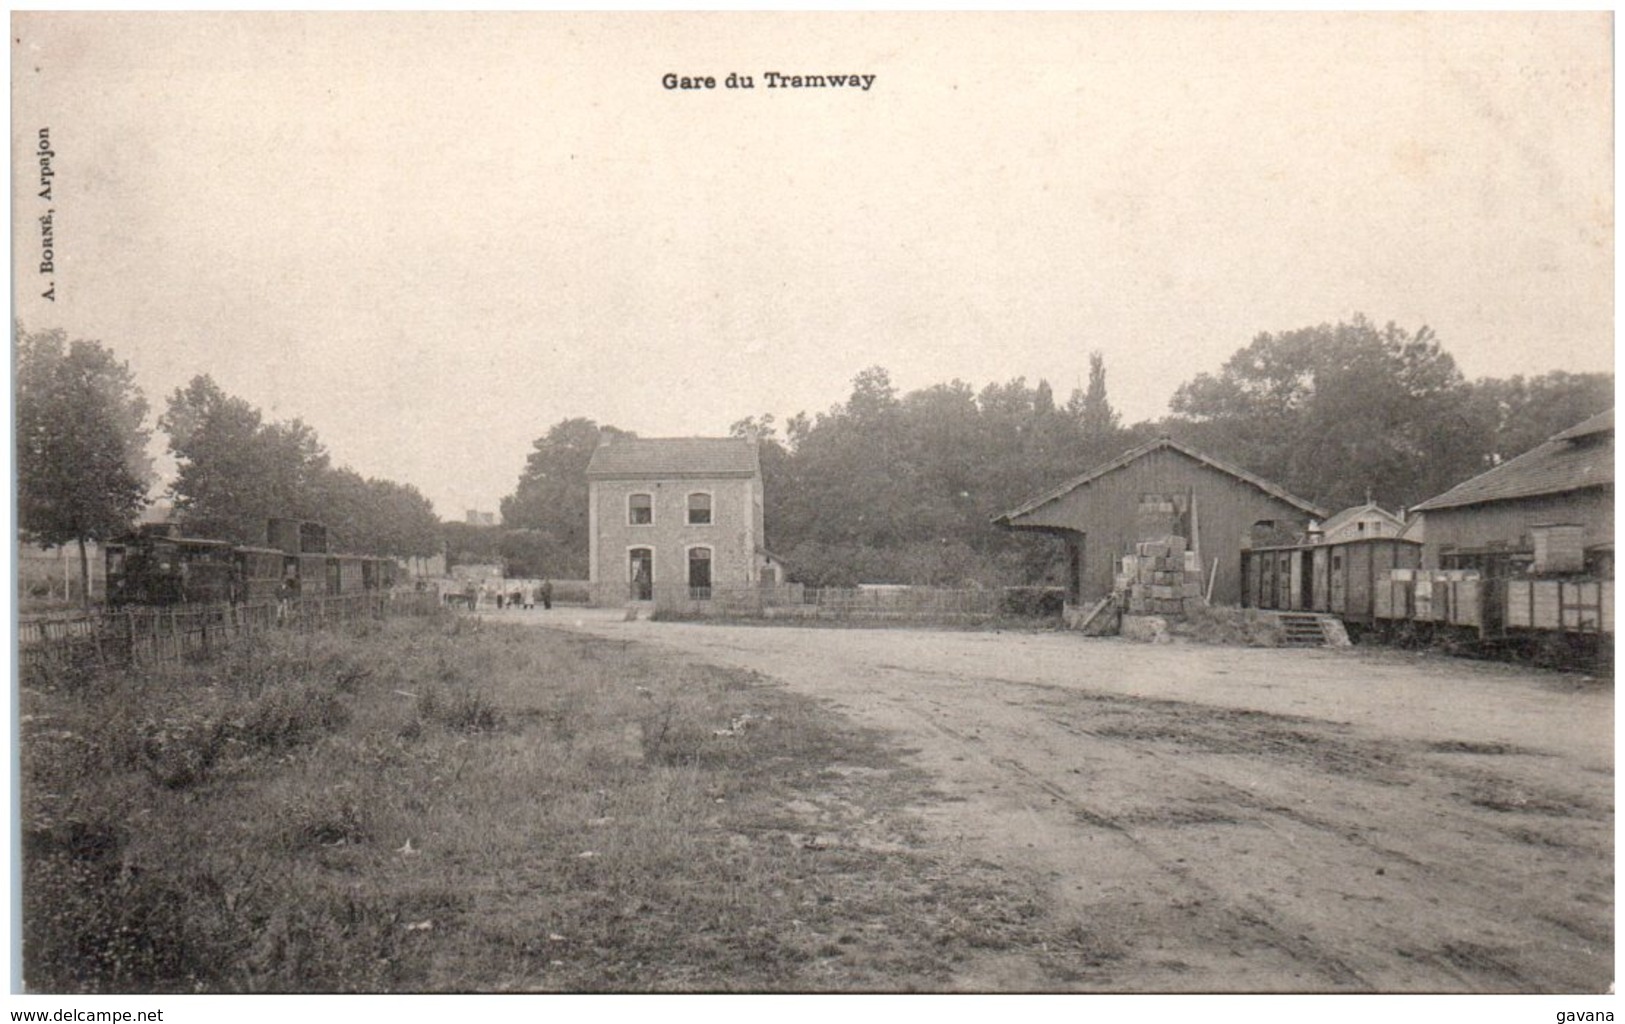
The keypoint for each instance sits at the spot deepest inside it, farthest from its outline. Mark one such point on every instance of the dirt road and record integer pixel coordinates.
(1223, 819)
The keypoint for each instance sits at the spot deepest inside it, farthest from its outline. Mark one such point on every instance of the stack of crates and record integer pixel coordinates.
(1161, 577)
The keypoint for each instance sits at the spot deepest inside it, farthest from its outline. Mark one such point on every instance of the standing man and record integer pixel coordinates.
(545, 592)
(286, 596)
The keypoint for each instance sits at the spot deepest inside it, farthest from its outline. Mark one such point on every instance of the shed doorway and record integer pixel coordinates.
(1074, 569)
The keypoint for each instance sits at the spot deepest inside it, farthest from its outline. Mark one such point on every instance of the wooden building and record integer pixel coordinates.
(1221, 509)
(1362, 522)
(1549, 510)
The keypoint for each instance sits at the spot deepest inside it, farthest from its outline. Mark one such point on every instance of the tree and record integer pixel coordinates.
(236, 471)
(406, 525)
(348, 511)
(755, 428)
(468, 544)
(1094, 412)
(374, 517)
(778, 480)
(533, 554)
(1518, 413)
(551, 495)
(1334, 412)
(897, 489)
(849, 481)
(873, 396)
(82, 465)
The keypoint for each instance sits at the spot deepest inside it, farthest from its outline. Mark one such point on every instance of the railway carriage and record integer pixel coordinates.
(305, 575)
(260, 572)
(346, 574)
(161, 568)
(156, 565)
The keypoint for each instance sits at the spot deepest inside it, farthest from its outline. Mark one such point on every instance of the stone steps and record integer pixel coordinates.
(1307, 629)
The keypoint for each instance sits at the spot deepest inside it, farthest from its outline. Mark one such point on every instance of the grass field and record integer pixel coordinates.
(429, 805)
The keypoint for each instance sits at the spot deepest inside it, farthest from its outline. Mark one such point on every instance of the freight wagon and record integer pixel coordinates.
(1498, 608)
(1378, 584)
(1341, 578)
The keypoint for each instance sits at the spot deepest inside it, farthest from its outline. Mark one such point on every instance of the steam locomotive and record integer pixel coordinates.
(158, 565)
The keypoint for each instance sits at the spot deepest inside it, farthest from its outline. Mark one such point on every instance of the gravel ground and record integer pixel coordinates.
(1240, 820)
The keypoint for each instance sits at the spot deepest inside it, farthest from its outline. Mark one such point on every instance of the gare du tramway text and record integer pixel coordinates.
(774, 80)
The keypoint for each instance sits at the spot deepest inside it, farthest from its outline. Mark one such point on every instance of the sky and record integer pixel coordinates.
(432, 236)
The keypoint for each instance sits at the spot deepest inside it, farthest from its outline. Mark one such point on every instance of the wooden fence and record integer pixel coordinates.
(151, 634)
(841, 604)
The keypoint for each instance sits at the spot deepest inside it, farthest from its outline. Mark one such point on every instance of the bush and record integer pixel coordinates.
(334, 816)
(95, 923)
(1032, 602)
(572, 592)
(470, 711)
(289, 717)
(178, 754)
(1239, 627)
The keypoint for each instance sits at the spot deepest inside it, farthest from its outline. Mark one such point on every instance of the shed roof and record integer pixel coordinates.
(1133, 454)
(1579, 457)
(675, 457)
(1603, 422)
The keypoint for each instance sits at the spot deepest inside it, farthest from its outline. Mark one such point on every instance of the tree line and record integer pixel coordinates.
(883, 487)
(235, 470)
(901, 488)
(83, 472)
(1337, 412)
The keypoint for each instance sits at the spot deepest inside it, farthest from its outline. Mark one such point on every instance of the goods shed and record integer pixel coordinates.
(1163, 489)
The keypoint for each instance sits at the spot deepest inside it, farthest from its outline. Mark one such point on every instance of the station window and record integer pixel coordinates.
(699, 509)
(640, 510)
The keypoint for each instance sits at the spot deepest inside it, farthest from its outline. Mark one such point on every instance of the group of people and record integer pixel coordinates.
(510, 594)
